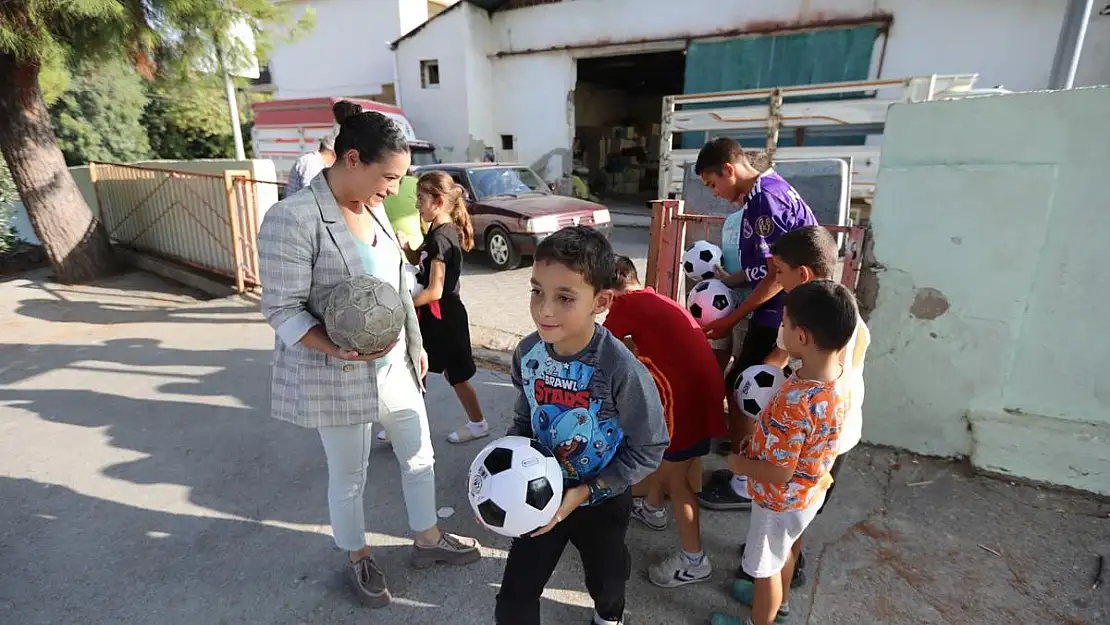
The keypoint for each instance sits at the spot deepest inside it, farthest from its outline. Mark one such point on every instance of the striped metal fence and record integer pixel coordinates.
(204, 221)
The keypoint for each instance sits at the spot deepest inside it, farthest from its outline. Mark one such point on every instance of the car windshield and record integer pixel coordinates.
(422, 156)
(489, 182)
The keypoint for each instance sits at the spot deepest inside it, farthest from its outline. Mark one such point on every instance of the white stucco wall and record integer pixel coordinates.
(534, 104)
(480, 96)
(439, 114)
(1008, 42)
(347, 52)
(989, 328)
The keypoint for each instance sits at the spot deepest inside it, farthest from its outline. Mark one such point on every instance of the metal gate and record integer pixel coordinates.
(204, 221)
(668, 235)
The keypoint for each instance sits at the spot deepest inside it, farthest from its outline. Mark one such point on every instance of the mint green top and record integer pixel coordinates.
(381, 261)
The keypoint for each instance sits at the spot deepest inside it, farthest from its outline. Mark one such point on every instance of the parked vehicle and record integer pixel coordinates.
(831, 120)
(286, 129)
(513, 209)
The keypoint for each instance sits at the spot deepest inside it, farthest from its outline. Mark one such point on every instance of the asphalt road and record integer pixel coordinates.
(144, 482)
(499, 299)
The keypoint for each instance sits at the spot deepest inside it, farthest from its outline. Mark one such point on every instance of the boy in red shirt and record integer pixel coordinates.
(675, 350)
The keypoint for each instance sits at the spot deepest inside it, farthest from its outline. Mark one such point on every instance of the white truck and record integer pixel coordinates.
(286, 129)
(849, 127)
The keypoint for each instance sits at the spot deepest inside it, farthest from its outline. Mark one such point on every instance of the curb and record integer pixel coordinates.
(176, 273)
(493, 346)
(629, 220)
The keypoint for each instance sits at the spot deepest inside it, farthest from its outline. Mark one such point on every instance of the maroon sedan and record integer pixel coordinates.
(513, 209)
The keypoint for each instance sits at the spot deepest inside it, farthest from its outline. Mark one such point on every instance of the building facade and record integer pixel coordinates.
(545, 82)
(347, 52)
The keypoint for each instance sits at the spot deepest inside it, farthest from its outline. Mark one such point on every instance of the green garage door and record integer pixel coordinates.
(831, 55)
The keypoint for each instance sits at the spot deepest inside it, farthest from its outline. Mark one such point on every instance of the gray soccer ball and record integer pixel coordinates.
(364, 314)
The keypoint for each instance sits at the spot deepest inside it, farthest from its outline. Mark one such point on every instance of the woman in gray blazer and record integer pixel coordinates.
(309, 243)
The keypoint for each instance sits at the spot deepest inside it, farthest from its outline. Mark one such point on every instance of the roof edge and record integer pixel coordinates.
(414, 31)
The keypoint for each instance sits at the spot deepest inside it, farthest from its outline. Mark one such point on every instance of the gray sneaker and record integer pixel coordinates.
(369, 582)
(451, 549)
(653, 519)
(677, 571)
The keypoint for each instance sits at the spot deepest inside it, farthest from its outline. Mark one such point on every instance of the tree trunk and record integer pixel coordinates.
(74, 240)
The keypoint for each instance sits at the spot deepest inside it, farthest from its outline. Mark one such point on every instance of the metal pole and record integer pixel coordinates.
(232, 106)
(1069, 45)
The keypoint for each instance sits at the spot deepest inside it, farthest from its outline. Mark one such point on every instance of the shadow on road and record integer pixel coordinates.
(114, 313)
(214, 512)
(74, 558)
(133, 297)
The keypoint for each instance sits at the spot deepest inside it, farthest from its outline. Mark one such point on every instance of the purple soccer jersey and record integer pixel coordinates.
(771, 209)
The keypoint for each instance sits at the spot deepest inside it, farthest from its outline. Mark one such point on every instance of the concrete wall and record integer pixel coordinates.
(481, 100)
(347, 52)
(439, 114)
(1008, 42)
(989, 328)
(535, 104)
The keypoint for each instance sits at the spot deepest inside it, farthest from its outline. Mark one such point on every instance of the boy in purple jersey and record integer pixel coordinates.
(771, 209)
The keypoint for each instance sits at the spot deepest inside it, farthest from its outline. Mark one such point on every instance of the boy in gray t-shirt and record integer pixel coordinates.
(587, 398)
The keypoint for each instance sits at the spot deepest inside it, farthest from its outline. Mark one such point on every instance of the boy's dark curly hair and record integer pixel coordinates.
(584, 251)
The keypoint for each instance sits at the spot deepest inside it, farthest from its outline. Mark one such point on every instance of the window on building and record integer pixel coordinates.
(506, 142)
(429, 74)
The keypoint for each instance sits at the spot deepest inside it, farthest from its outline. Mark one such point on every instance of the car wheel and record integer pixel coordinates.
(499, 249)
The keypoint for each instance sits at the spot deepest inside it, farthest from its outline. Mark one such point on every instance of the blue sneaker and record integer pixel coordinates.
(744, 592)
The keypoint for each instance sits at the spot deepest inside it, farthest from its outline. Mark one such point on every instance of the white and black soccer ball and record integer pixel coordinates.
(701, 260)
(364, 314)
(756, 387)
(710, 300)
(516, 486)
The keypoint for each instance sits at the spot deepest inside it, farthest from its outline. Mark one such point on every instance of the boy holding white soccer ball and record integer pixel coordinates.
(583, 395)
(802, 256)
(793, 447)
(772, 208)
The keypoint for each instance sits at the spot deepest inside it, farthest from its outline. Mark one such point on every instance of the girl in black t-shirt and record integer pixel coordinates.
(443, 319)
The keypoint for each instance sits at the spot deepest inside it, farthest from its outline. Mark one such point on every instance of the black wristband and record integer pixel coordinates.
(598, 490)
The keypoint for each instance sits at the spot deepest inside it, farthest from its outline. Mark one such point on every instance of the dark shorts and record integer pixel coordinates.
(835, 473)
(696, 451)
(759, 343)
(447, 341)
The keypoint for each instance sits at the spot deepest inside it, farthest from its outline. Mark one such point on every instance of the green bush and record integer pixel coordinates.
(8, 197)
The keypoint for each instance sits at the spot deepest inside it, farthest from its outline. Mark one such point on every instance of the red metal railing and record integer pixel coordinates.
(667, 241)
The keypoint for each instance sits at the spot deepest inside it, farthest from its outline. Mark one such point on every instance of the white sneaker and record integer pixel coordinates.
(677, 571)
(653, 519)
(382, 436)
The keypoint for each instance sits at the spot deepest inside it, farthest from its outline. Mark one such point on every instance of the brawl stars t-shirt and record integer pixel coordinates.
(597, 411)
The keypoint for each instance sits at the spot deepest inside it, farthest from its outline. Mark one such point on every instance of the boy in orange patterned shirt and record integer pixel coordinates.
(791, 453)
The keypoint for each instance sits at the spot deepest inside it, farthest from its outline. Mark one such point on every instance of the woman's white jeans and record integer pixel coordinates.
(402, 413)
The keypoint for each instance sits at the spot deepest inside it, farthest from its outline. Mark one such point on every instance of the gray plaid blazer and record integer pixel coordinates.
(305, 249)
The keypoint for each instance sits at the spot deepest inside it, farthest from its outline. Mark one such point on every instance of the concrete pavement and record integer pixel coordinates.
(142, 481)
